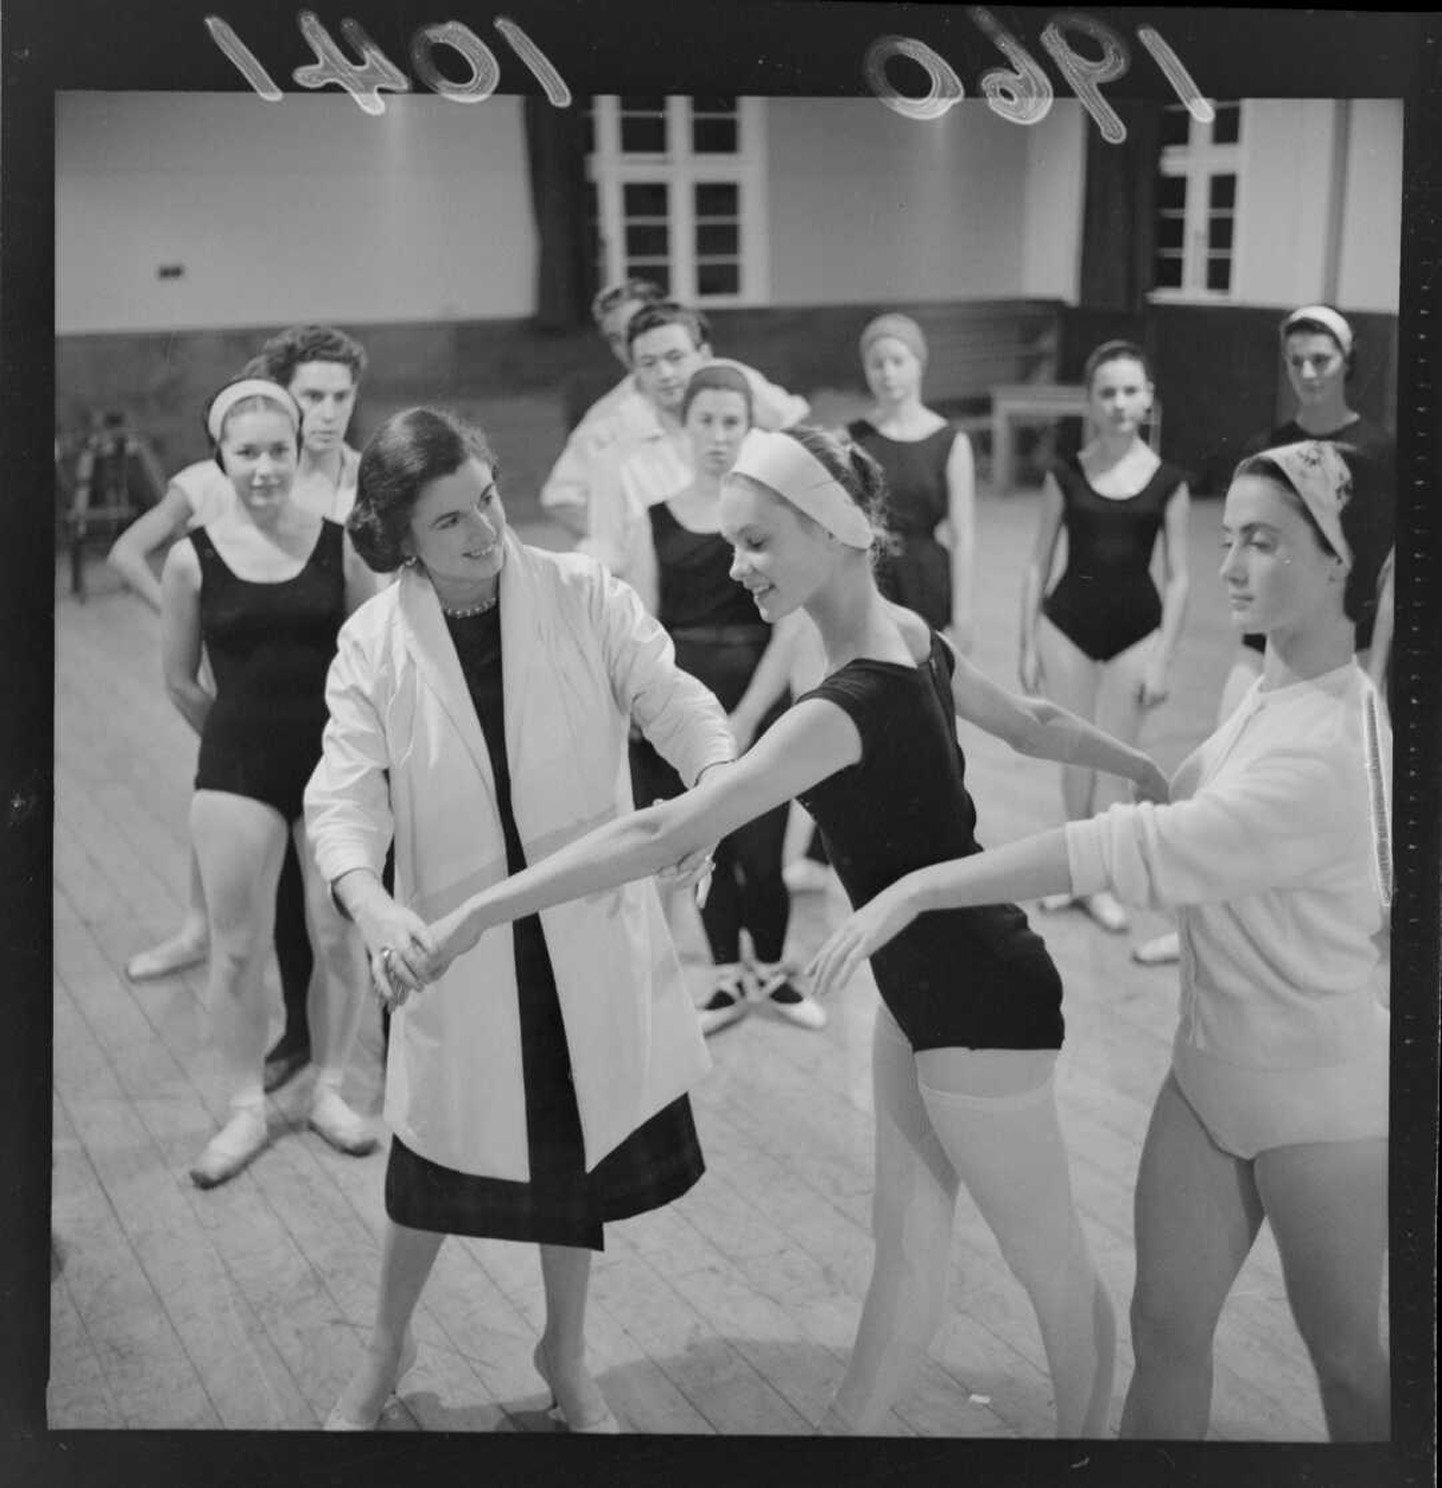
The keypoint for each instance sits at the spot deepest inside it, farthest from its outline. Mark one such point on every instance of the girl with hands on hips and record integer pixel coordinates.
(963, 1064)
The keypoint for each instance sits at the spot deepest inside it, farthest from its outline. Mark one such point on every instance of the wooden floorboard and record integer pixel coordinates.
(732, 1310)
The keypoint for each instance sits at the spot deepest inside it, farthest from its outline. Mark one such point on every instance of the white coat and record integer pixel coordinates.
(404, 755)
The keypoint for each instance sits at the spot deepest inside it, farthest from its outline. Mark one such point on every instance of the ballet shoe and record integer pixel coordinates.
(232, 1148)
(346, 1130)
(604, 1424)
(807, 876)
(1106, 912)
(178, 953)
(1161, 950)
(284, 1062)
(728, 1002)
(774, 985)
(339, 1420)
(1052, 903)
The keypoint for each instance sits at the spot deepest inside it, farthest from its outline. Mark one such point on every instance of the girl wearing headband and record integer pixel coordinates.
(680, 565)
(263, 588)
(967, 1038)
(1275, 853)
(1100, 642)
(1319, 354)
(321, 367)
(930, 482)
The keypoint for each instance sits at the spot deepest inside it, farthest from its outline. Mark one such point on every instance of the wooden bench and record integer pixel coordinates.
(1040, 403)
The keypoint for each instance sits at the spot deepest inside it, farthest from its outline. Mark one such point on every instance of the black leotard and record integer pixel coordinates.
(1106, 601)
(1372, 443)
(918, 498)
(270, 647)
(971, 978)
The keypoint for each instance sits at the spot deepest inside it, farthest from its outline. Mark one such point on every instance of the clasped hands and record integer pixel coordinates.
(406, 954)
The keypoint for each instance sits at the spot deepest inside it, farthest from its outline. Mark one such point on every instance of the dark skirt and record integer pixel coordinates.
(562, 1204)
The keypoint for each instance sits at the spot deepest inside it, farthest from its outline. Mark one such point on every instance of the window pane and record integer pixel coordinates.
(713, 136)
(1219, 233)
(1223, 195)
(1227, 126)
(1219, 271)
(648, 239)
(718, 279)
(1168, 271)
(1172, 193)
(719, 200)
(645, 199)
(1176, 125)
(658, 273)
(643, 135)
(714, 105)
(1171, 231)
(723, 238)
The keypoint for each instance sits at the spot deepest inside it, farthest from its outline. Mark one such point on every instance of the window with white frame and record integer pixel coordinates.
(677, 192)
(1196, 204)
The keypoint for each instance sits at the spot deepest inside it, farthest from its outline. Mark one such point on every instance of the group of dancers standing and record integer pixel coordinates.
(454, 729)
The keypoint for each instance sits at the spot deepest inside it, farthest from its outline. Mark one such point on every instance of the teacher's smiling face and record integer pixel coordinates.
(456, 531)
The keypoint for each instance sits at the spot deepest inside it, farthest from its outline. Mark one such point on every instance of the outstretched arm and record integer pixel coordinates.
(807, 744)
(1037, 727)
(1027, 869)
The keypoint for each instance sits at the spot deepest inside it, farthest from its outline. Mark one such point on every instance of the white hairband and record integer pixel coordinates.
(1323, 480)
(248, 387)
(786, 466)
(1323, 315)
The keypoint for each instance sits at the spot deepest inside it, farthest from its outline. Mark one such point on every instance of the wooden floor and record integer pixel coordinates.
(730, 1311)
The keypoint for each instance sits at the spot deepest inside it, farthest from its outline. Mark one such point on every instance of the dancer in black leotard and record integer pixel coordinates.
(264, 589)
(966, 1046)
(681, 566)
(1100, 643)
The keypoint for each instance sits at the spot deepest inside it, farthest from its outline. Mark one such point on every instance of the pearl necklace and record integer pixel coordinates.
(471, 610)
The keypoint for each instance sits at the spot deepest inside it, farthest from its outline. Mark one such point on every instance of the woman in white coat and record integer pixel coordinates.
(479, 716)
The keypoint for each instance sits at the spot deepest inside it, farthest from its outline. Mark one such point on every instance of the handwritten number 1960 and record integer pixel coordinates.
(1023, 94)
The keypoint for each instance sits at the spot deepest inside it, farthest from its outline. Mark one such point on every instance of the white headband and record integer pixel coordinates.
(786, 466)
(248, 387)
(1323, 315)
(1323, 481)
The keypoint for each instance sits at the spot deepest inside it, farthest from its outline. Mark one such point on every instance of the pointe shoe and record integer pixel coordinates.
(604, 1424)
(774, 985)
(346, 1130)
(1104, 909)
(728, 1002)
(178, 953)
(1053, 903)
(232, 1148)
(1161, 950)
(338, 1420)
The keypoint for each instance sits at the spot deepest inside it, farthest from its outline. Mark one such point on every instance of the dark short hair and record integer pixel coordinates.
(1304, 325)
(640, 291)
(668, 312)
(298, 344)
(1366, 519)
(409, 451)
(719, 377)
(1115, 351)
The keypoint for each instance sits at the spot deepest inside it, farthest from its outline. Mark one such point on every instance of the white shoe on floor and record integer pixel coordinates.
(232, 1148)
(1161, 950)
(774, 985)
(346, 1130)
(1054, 903)
(728, 1002)
(367, 1416)
(1104, 909)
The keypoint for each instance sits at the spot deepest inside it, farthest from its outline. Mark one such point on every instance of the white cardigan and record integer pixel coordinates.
(404, 754)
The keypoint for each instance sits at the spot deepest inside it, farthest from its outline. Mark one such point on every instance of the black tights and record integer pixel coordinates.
(293, 951)
(747, 890)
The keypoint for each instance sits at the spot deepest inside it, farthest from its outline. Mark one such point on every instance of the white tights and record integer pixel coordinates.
(986, 1118)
